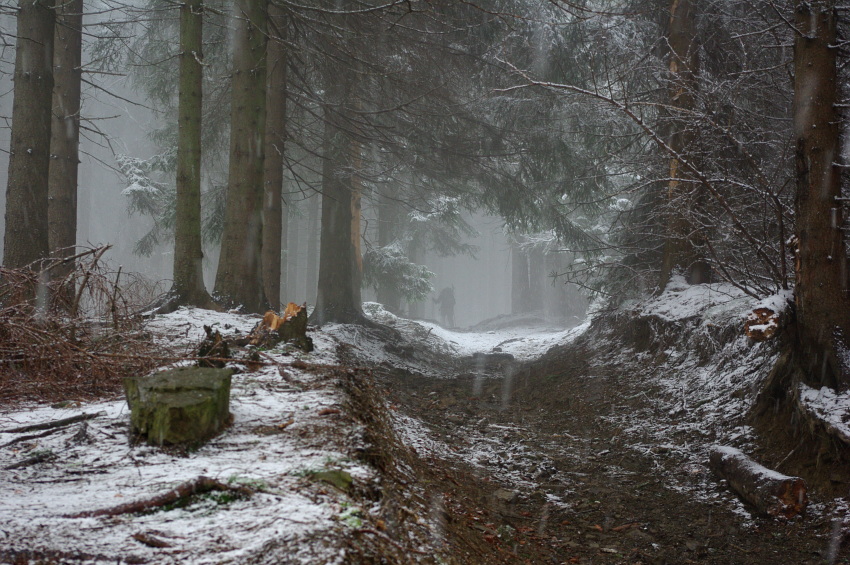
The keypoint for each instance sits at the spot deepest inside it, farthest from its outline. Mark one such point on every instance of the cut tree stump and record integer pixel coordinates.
(291, 327)
(185, 406)
(771, 493)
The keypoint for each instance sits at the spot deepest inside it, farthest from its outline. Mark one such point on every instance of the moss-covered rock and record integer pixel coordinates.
(185, 406)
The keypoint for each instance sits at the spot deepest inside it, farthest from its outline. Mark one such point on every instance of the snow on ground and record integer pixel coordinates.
(832, 408)
(523, 342)
(701, 374)
(277, 439)
(711, 302)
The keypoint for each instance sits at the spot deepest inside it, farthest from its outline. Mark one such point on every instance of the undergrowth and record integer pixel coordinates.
(71, 329)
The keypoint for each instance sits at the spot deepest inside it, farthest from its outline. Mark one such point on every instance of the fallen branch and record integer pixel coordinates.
(770, 492)
(182, 491)
(151, 540)
(30, 461)
(54, 424)
(29, 437)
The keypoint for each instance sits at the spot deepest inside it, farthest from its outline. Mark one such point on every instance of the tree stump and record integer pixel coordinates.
(771, 493)
(185, 406)
(291, 327)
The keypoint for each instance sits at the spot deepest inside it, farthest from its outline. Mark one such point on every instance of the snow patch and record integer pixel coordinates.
(277, 438)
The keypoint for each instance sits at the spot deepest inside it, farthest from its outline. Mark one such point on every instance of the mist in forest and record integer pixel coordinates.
(118, 121)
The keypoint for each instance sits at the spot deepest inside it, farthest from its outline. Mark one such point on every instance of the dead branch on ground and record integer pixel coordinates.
(182, 491)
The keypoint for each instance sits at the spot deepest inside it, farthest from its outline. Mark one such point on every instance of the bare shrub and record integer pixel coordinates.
(72, 336)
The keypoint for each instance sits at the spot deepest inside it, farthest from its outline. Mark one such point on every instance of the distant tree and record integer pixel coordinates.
(65, 131)
(520, 288)
(682, 250)
(388, 290)
(314, 228)
(239, 280)
(26, 233)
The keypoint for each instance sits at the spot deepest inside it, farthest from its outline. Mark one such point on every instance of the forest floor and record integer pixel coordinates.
(514, 443)
(596, 451)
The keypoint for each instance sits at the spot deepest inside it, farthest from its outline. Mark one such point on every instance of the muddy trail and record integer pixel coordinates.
(530, 465)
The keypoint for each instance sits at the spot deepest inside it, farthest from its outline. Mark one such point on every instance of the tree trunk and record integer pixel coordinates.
(188, 254)
(520, 291)
(338, 297)
(65, 133)
(295, 224)
(239, 280)
(29, 161)
(313, 231)
(681, 246)
(388, 228)
(273, 214)
(771, 493)
(536, 279)
(823, 308)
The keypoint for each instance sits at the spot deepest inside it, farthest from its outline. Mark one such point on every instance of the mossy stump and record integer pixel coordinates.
(184, 407)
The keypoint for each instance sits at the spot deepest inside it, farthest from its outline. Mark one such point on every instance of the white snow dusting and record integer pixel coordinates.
(277, 438)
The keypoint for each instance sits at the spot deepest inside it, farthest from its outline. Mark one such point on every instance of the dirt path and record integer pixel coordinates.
(528, 459)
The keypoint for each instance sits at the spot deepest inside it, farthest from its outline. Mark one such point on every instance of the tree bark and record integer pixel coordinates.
(338, 294)
(188, 285)
(273, 213)
(822, 304)
(312, 261)
(681, 246)
(65, 133)
(26, 233)
(520, 291)
(771, 493)
(295, 225)
(239, 280)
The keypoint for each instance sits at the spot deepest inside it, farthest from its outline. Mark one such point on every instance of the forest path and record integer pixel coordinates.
(532, 459)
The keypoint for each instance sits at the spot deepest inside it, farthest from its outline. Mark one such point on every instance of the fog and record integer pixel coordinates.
(115, 121)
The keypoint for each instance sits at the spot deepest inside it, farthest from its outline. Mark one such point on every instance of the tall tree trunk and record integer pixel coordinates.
(356, 187)
(273, 213)
(338, 296)
(520, 291)
(29, 160)
(239, 280)
(293, 249)
(65, 132)
(188, 254)
(536, 279)
(388, 229)
(314, 228)
(823, 307)
(681, 247)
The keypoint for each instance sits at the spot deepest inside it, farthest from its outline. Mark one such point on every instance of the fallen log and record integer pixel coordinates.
(180, 492)
(771, 493)
(54, 424)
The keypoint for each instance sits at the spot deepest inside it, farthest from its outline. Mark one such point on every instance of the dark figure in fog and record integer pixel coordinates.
(446, 300)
